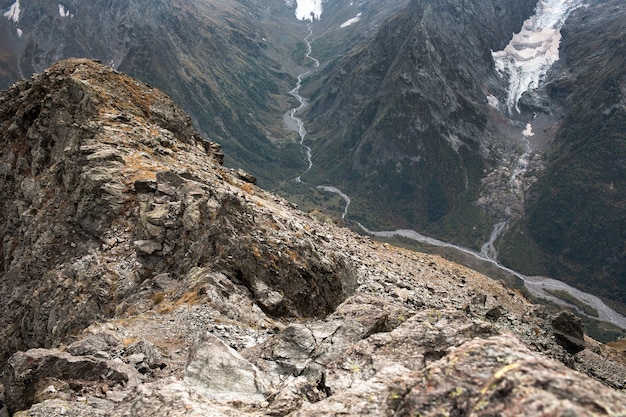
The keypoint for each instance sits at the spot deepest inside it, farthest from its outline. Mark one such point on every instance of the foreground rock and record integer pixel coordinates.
(140, 277)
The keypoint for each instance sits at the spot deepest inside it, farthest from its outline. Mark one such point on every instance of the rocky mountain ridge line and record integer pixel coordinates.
(140, 276)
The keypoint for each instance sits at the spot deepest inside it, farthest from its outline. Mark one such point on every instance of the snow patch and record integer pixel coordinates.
(532, 51)
(19, 33)
(351, 21)
(493, 101)
(14, 12)
(307, 9)
(529, 130)
(64, 12)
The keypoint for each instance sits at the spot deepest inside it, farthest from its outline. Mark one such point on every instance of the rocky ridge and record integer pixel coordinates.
(139, 276)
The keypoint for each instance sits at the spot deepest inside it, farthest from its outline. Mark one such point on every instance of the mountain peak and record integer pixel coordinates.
(138, 275)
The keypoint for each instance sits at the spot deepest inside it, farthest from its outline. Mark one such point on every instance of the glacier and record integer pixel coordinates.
(531, 52)
(351, 21)
(14, 12)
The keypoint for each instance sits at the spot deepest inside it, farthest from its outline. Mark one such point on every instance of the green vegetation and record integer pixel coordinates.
(517, 250)
(569, 298)
(298, 55)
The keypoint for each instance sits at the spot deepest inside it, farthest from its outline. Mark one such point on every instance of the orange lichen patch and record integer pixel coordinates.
(129, 340)
(247, 188)
(191, 297)
(127, 92)
(256, 252)
(170, 343)
(188, 298)
(293, 255)
(141, 167)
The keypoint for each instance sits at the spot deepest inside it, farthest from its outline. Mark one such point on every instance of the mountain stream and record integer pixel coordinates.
(296, 124)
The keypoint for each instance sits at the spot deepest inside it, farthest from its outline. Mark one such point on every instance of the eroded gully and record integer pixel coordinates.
(537, 286)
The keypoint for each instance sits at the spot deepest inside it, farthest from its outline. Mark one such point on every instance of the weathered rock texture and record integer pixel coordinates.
(140, 277)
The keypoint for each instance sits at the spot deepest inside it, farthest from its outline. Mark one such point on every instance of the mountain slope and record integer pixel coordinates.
(149, 279)
(401, 122)
(221, 60)
(575, 216)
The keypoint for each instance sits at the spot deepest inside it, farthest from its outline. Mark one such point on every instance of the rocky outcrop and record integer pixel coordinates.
(568, 330)
(140, 277)
(506, 381)
(97, 207)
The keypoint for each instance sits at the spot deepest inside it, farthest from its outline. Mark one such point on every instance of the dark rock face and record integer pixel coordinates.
(568, 330)
(147, 279)
(28, 373)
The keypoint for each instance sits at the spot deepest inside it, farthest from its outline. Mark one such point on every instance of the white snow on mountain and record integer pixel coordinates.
(14, 12)
(307, 9)
(63, 12)
(351, 21)
(532, 51)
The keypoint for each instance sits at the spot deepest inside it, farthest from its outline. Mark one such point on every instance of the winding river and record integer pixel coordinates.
(537, 286)
(294, 122)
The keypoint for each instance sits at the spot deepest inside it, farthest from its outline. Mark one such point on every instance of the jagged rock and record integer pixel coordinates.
(569, 331)
(508, 380)
(479, 299)
(244, 176)
(220, 372)
(125, 209)
(144, 356)
(98, 345)
(27, 374)
(494, 313)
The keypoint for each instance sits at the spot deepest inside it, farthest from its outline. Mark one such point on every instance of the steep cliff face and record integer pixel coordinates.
(148, 279)
(575, 216)
(401, 122)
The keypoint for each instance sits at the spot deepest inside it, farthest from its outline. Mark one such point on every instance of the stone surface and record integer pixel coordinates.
(568, 330)
(29, 376)
(243, 305)
(222, 373)
(506, 381)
